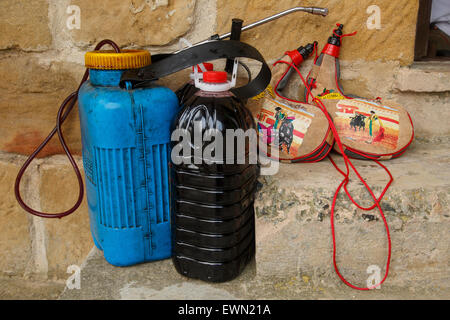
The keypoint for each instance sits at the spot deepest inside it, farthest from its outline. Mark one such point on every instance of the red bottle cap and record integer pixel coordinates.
(215, 77)
(208, 67)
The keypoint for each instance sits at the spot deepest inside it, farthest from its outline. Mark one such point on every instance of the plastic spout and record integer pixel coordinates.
(307, 50)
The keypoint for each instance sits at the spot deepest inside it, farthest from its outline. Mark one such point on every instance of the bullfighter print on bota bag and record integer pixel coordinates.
(281, 124)
(286, 130)
(367, 121)
(358, 122)
(380, 135)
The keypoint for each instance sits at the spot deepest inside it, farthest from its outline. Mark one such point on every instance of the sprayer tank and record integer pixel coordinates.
(126, 151)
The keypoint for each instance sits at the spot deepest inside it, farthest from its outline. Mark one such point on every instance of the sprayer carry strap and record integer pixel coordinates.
(225, 49)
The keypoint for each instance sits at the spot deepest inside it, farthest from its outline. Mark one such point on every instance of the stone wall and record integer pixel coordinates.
(42, 44)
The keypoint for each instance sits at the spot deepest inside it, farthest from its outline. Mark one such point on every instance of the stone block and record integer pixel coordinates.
(394, 41)
(68, 240)
(15, 241)
(30, 95)
(136, 22)
(25, 25)
(423, 80)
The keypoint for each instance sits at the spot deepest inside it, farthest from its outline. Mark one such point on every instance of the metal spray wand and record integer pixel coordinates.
(312, 10)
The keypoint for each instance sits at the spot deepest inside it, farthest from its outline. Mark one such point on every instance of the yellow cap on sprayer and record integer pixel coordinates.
(111, 60)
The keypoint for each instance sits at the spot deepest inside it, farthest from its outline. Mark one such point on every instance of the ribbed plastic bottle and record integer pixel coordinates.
(126, 151)
(189, 89)
(213, 199)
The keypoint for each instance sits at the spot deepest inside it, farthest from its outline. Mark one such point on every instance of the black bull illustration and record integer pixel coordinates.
(358, 121)
(286, 134)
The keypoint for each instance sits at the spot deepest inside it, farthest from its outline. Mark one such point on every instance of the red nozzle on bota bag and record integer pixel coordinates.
(297, 57)
(302, 53)
(333, 46)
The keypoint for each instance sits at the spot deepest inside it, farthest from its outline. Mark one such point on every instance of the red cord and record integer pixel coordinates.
(316, 53)
(337, 80)
(344, 35)
(335, 73)
(391, 179)
(344, 183)
(313, 81)
(63, 113)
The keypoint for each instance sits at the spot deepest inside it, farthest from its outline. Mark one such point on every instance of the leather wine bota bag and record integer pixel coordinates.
(303, 132)
(378, 129)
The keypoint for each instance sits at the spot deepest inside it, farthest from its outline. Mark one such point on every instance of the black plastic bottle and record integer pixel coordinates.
(213, 201)
(189, 89)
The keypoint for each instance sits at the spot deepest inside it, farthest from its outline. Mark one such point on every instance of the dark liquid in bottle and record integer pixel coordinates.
(213, 201)
(186, 92)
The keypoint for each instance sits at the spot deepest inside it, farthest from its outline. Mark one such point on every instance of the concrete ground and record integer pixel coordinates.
(160, 281)
(26, 289)
(293, 258)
